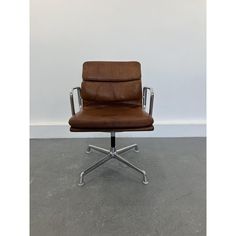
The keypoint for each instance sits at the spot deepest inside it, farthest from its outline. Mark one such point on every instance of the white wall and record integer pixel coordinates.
(167, 37)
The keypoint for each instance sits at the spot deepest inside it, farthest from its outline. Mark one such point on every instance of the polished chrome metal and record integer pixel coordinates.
(99, 149)
(145, 99)
(72, 104)
(112, 153)
(79, 96)
(125, 149)
(91, 168)
(143, 172)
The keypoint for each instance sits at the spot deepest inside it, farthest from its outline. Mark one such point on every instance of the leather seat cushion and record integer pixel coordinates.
(111, 117)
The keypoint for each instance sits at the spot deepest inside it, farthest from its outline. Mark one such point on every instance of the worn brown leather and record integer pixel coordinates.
(111, 92)
(112, 99)
(115, 116)
(111, 71)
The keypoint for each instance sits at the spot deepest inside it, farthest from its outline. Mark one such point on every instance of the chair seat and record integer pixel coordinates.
(111, 117)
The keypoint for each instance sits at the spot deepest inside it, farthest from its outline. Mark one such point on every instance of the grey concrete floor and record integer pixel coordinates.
(114, 201)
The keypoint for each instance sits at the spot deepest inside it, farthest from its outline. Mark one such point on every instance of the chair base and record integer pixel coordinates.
(112, 153)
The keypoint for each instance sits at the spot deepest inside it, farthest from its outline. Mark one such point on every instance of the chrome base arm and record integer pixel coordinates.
(99, 149)
(125, 149)
(143, 172)
(112, 153)
(91, 168)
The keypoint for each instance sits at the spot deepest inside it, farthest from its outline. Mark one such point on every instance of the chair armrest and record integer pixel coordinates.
(72, 104)
(151, 100)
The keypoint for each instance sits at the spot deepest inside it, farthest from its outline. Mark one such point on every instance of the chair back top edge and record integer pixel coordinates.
(111, 71)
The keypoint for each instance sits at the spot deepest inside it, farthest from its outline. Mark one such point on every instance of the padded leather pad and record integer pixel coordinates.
(111, 117)
(111, 71)
(111, 92)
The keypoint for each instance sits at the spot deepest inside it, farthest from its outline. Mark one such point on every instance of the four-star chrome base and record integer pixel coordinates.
(112, 153)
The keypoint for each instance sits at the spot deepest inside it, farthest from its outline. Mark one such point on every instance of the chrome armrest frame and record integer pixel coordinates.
(145, 89)
(72, 104)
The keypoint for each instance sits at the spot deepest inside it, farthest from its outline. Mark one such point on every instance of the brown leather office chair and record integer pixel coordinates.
(111, 99)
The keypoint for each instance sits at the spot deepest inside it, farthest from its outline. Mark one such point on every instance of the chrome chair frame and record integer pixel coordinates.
(113, 152)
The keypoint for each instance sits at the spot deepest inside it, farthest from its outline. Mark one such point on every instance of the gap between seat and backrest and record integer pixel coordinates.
(110, 82)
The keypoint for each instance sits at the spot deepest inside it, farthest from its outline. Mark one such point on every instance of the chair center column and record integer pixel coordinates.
(113, 143)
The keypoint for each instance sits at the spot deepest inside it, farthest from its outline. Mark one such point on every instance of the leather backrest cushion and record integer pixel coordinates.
(111, 71)
(111, 91)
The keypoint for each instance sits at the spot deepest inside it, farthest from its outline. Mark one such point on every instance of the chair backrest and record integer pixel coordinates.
(110, 82)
